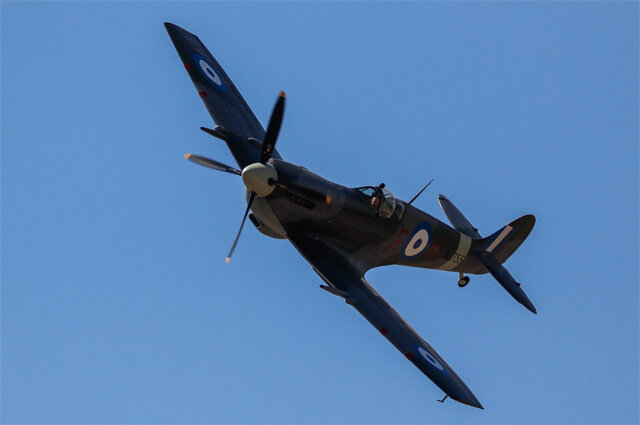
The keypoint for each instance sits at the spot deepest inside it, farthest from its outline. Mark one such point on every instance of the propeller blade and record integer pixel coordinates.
(246, 213)
(212, 164)
(270, 137)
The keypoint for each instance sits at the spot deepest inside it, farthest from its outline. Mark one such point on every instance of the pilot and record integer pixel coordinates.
(374, 203)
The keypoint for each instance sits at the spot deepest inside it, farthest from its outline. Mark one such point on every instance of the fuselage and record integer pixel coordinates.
(373, 232)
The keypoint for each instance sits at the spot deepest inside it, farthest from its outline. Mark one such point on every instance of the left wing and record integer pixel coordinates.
(220, 96)
(346, 280)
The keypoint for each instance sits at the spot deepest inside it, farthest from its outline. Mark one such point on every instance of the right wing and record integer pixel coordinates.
(346, 281)
(220, 96)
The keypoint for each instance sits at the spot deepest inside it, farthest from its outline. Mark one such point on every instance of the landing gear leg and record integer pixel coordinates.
(463, 280)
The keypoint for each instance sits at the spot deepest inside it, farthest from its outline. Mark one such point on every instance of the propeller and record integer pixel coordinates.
(268, 144)
(260, 174)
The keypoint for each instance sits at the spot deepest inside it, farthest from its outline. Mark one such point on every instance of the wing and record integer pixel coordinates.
(220, 96)
(345, 280)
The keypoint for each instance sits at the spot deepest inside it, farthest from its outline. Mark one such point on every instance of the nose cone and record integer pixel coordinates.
(256, 178)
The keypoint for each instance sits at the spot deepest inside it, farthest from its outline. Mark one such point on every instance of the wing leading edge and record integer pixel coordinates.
(346, 281)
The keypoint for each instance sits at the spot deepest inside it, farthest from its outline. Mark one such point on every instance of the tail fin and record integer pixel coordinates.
(505, 241)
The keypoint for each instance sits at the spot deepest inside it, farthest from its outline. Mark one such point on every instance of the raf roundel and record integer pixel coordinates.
(418, 242)
(209, 73)
(431, 359)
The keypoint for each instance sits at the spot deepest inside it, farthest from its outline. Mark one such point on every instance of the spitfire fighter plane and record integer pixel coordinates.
(341, 231)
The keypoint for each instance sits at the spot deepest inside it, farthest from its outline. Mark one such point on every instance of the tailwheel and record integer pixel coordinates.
(463, 281)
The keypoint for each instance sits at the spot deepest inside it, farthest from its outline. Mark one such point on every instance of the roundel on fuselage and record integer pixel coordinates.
(209, 72)
(418, 241)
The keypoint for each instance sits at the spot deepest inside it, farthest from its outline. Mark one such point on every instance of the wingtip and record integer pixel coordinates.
(176, 30)
(477, 406)
(472, 401)
(282, 94)
(226, 260)
(187, 155)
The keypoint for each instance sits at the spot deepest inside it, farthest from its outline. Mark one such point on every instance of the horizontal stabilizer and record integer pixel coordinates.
(504, 278)
(457, 219)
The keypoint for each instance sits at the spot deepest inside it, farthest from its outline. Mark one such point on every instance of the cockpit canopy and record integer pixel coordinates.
(379, 199)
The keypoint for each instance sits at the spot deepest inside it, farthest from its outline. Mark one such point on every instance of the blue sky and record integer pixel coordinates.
(117, 306)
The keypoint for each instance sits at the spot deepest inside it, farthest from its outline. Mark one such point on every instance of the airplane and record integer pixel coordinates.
(344, 232)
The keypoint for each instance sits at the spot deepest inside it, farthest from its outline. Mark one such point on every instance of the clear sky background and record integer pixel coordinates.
(117, 305)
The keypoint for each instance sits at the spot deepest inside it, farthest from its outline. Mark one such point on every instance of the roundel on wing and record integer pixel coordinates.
(431, 359)
(209, 72)
(418, 241)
